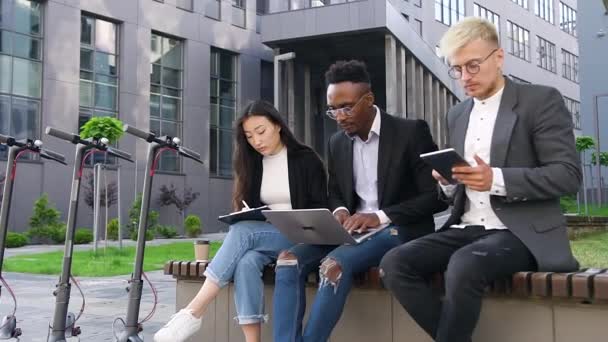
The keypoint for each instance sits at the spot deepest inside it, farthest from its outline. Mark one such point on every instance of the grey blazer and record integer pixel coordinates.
(533, 144)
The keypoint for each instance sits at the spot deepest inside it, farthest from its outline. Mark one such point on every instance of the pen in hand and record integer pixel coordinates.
(246, 207)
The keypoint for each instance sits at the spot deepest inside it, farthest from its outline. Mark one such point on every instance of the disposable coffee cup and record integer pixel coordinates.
(201, 250)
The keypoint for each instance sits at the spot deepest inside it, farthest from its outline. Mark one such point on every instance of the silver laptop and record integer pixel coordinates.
(313, 226)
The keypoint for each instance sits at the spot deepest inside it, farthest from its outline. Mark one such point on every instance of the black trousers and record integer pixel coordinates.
(471, 258)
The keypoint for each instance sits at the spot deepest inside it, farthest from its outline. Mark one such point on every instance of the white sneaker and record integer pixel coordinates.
(182, 325)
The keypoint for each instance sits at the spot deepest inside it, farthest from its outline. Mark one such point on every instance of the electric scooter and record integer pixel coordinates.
(131, 328)
(64, 322)
(8, 327)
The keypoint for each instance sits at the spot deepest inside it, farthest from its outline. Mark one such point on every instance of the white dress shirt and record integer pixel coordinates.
(365, 171)
(478, 141)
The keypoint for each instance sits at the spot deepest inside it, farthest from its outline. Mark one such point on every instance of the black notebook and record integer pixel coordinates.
(443, 161)
(253, 214)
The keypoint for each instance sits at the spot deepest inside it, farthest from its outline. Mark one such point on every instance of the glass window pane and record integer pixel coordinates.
(86, 59)
(226, 117)
(155, 76)
(6, 42)
(225, 162)
(106, 79)
(24, 118)
(83, 117)
(84, 75)
(213, 148)
(227, 89)
(172, 53)
(169, 128)
(86, 94)
(170, 108)
(105, 36)
(155, 49)
(171, 92)
(86, 30)
(155, 89)
(27, 76)
(155, 106)
(105, 64)
(169, 161)
(172, 78)
(26, 47)
(227, 66)
(105, 96)
(213, 114)
(27, 17)
(214, 63)
(155, 127)
(5, 106)
(5, 74)
(213, 91)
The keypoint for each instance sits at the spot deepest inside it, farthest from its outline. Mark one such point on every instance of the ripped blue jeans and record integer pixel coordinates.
(289, 302)
(248, 247)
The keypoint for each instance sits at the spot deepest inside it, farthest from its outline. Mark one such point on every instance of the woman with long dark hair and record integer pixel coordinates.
(272, 168)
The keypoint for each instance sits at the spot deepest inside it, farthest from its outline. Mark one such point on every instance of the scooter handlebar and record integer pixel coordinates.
(57, 133)
(4, 139)
(188, 153)
(119, 154)
(138, 133)
(48, 154)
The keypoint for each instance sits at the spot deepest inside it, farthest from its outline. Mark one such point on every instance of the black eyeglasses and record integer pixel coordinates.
(472, 67)
(346, 110)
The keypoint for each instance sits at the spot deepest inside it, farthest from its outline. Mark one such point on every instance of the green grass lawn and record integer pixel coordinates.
(591, 250)
(109, 263)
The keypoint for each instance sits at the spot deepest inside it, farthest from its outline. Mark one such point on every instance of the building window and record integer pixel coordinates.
(567, 19)
(575, 109)
(449, 11)
(238, 13)
(546, 54)
(20, 69)
(569, 66)
(166, 75)
(519, 80)
(519, 41)
(98, 73)
(482, 12)
(223, 100)
(544, 10)
(213, 9)
(418, 3)
(522, 3)
(418, 27)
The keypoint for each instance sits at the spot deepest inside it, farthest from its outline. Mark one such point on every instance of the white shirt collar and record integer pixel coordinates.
(375, 129)
(493, 100)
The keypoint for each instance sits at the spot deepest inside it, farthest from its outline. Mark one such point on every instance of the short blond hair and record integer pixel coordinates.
(466, 31)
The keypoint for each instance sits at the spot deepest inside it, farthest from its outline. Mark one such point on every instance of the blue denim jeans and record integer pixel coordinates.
(248, 247)
(290, 297)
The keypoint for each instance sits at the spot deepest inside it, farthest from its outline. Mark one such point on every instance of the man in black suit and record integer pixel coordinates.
(376, 180)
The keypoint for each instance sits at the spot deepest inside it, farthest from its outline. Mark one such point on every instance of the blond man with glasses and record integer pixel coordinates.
(506, 215)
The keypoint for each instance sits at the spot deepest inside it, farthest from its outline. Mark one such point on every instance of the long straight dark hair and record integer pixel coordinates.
(246, 158)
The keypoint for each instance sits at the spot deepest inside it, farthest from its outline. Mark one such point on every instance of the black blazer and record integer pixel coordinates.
(407, 191)
(307, 180)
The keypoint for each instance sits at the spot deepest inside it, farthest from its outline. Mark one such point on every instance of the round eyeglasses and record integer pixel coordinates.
(472, 67)
(346, 110)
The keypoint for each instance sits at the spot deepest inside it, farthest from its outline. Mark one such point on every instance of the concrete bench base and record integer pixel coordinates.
(374, 315)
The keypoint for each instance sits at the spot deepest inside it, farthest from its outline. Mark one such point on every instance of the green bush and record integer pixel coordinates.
(48, 234)
(167, 232)
(193, 226)
(102, 127)
(14, 240)
(83, 236)
(149, 235)
(113, 229)
(134, 217)
(45, 225)
(568, 204)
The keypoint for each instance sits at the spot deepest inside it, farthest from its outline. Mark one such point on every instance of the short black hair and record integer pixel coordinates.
(347, 71)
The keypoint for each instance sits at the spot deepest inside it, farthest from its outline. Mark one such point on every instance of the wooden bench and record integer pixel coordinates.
(532, 306)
